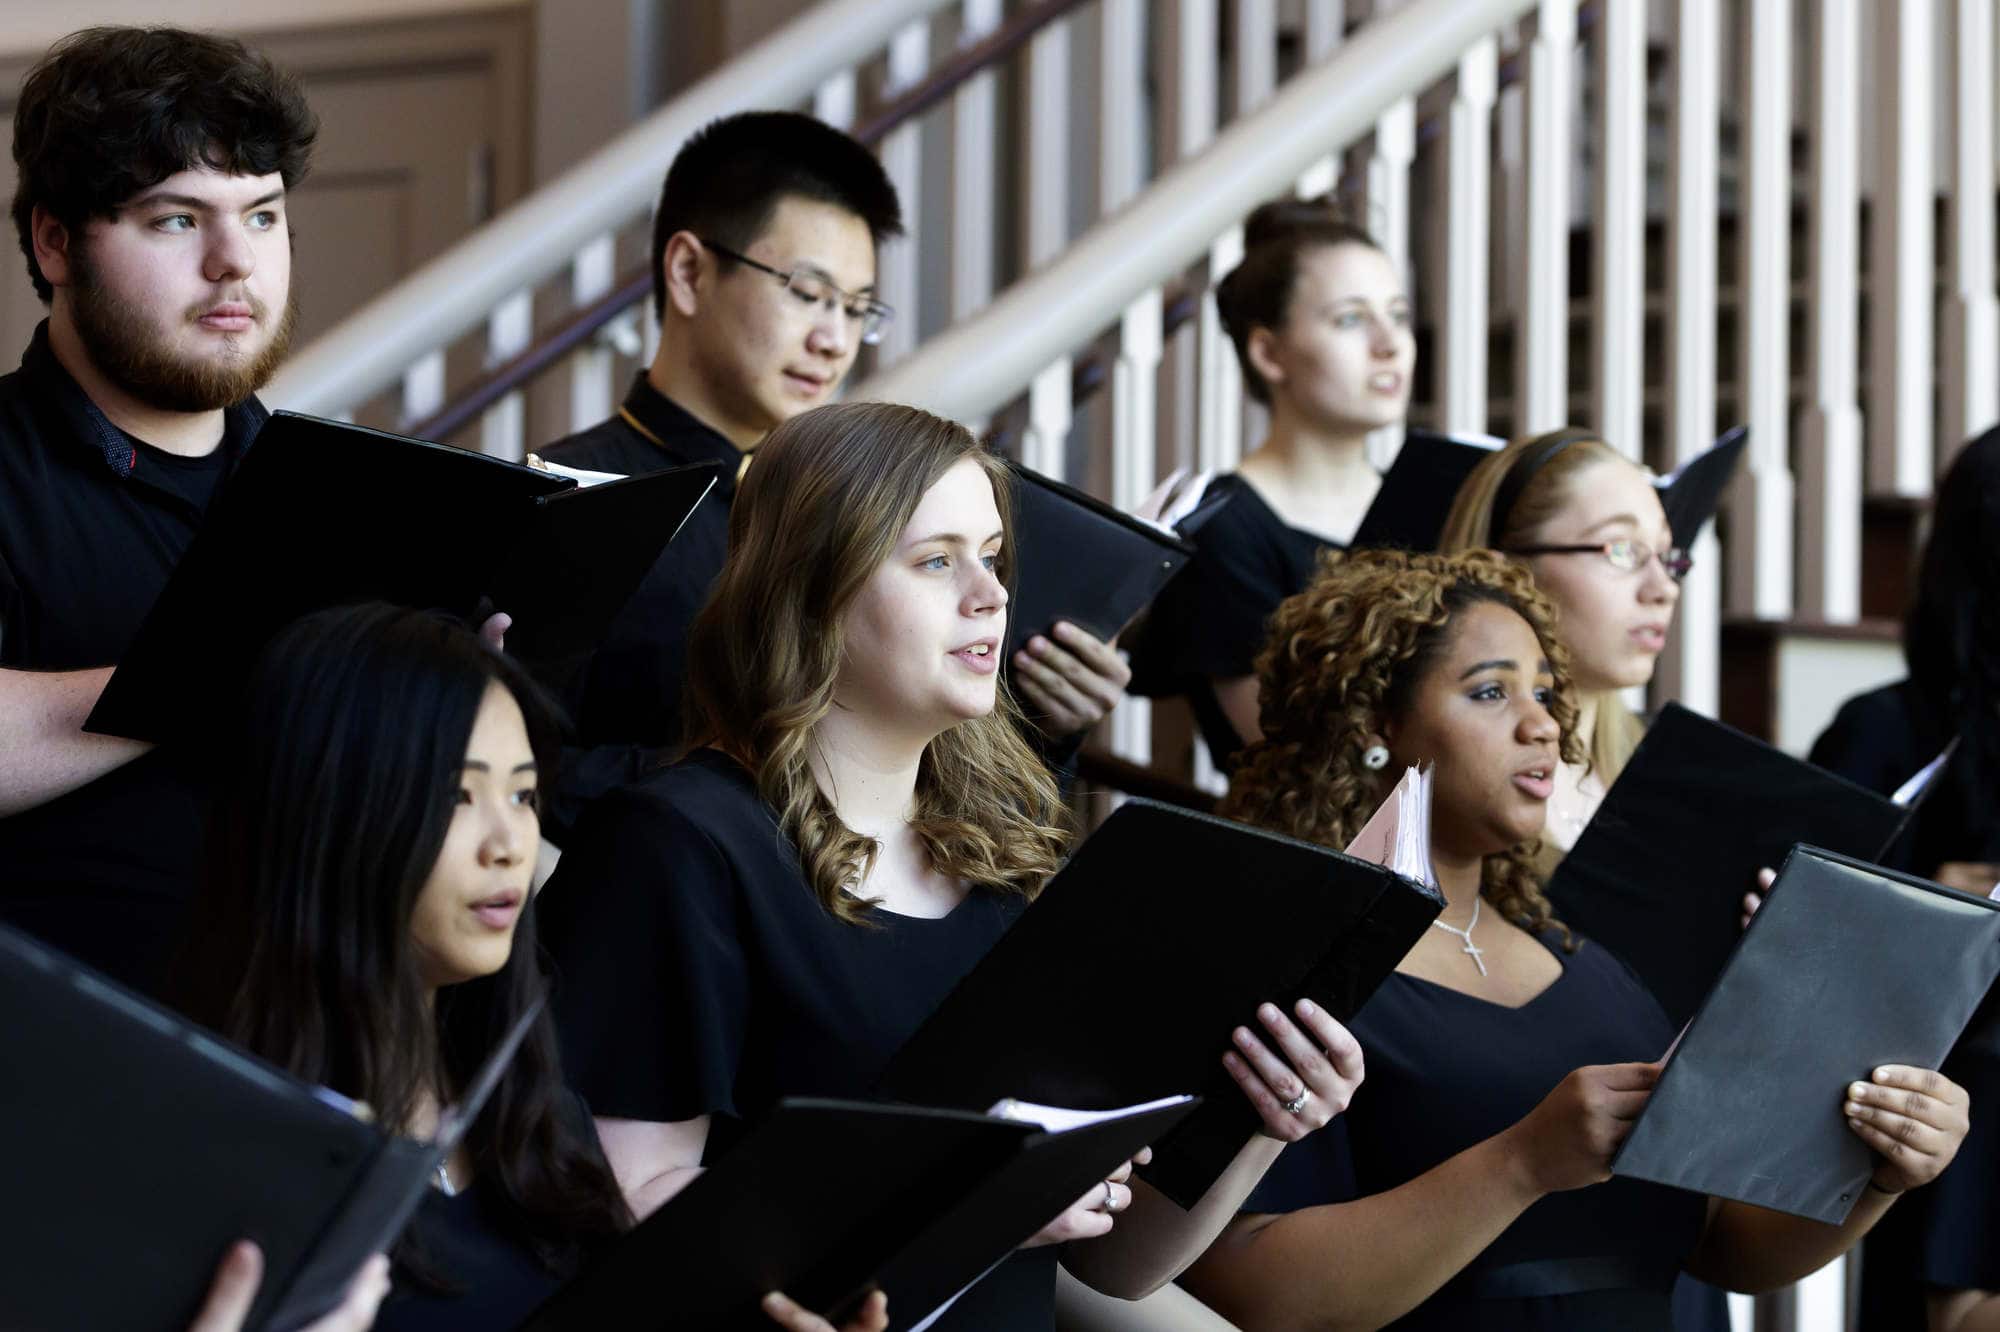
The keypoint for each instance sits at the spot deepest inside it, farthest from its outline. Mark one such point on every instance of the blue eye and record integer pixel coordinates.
(936, 563)
(990, 562)
(176, 223)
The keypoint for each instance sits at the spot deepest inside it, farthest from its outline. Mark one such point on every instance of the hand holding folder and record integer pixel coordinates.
(238, 1149)
(321, 513)
(1659, 873)
(828, 1200)
(1123, 982)
(1847, 967)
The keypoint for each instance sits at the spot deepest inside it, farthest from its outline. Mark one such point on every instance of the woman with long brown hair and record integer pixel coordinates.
(1471, 1186)
(858, 822)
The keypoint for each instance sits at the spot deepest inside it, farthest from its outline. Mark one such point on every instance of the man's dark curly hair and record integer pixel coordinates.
(111, 111)
(1344, 656)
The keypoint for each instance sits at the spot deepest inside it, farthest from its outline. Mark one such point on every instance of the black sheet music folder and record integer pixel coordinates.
(321, 513)
(1079, 559)
(826, 1200)
(1409, 511)
(1659, 873)
(1847, 967)
(1124, 979)
(143, 1147)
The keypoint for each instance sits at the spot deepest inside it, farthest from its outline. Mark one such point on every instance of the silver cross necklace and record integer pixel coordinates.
(1472, 950)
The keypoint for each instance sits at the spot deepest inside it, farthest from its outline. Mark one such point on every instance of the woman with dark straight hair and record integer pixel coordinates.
(860, 822)
(367, 924)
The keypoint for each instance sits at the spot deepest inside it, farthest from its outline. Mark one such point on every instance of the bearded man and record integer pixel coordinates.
(154, 166)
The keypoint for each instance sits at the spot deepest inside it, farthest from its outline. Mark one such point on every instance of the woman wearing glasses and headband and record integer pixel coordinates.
(1588, 523)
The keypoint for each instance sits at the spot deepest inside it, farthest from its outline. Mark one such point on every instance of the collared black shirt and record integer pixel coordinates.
(631, 691)
(90, 528)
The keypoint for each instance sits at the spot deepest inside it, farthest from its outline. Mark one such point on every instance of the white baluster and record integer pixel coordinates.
(1051, 412)
(1134, 470)
(1324, 20)
(1186, 41)
(974, 169)
(1618, 251)
(1219, 443)
(1760, 534)
(1463, 285)
(423, 388)
(1047, 133)
(1542, 336)
(1970, 390)
(1393, 150)
(1901, 256)
(834, 101)
(1688, 668)
(503, 426)
(1121, 100)
(1256, 53)
(1190, 96)
(590, 368)
(902, 159)
(1830, 428)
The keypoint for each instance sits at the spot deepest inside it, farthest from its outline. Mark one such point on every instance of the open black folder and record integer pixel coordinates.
(1659, 873)
(1409, 511)
(826, 1200)
(1079, 559)
(321, 513)
(1847, 967)
(1692, 492)
(1123, 981)
(142, 1147)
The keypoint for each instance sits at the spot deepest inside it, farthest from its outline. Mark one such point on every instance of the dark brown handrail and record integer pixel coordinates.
(581, 325)
(1119, 774)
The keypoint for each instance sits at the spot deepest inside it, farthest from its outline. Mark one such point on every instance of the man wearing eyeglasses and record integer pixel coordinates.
(764, 248)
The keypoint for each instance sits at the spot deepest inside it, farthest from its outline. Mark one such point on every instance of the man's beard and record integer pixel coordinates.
(119, 342)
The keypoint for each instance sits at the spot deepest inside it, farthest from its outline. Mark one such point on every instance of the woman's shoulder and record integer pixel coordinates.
(706, 787)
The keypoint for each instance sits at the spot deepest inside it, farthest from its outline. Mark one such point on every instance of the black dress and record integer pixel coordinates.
(1447, 1070)
(1946, 1235)
(1209, 622)
(697, 974)
(488, 1280)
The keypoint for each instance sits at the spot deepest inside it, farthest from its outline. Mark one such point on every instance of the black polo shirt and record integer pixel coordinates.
(630, 693)
(91, 524)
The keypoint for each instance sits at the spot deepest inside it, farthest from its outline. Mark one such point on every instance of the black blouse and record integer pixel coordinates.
(697, 974)
(1209, 623)
(1447, 1070)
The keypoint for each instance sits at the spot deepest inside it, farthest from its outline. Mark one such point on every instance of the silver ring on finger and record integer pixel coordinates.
(1298, 1103)
(1110, 1203)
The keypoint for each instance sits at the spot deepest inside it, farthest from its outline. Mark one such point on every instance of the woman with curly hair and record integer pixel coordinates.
(1587, 522)
(1470, 1187)
(858, 823)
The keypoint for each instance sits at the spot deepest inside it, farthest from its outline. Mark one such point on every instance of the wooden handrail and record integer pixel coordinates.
(1119, 774)
(636, 285)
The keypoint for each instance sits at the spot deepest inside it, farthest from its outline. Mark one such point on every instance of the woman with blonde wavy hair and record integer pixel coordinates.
(857, 823)
(1470, 1187)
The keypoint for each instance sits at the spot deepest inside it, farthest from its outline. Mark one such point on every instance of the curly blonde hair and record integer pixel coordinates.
(824, 505)
(1343, 657)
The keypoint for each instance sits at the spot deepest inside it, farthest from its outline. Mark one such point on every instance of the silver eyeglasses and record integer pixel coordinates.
(1625, 555)
(815, 288)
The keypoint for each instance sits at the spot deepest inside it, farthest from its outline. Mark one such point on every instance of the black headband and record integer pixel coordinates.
(1519, 475)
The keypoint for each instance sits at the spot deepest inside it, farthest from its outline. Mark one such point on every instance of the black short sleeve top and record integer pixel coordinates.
(1209, 622)
(1447, 1070)
(697, 974)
